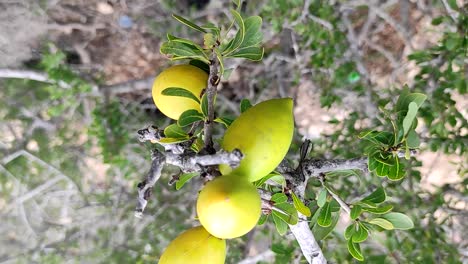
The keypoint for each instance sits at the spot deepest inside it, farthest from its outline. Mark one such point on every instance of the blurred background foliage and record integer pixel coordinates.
(70, 159)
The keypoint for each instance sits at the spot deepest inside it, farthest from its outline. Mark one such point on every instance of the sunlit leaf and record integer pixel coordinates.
(383, 223)
(300, 206)
(399, 220)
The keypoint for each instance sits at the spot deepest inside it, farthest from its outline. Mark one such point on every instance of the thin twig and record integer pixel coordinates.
(213, 81)
(145, 187)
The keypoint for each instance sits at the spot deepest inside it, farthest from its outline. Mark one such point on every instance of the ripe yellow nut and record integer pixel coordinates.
(188, 77)
(195, 246)
(229, 206)
(263, 134)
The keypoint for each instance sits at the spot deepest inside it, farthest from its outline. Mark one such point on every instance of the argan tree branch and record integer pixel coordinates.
(213, 81)
(309, 246)
(145, 187)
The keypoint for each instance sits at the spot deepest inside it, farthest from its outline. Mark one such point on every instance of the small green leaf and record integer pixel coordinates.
(239, 38)
(349, 231)
(264, 179)
(198, 144)
(406, 98)
(244, 105)
(377, 197)
(300, 206)
(253, 32)
(322, 197)
(383, 223)
(212, 27)
(287, 212)
(262, 220)
(172, 140)
(185, 178)
(321, 232)
(180, 50)
(188, 23)
(250, 53)
(324, 218)
(355, 250)
(365, 204)
(175, 131)
(399, 220)
(279, 198)
(201, 65)
(204, 105)
(396, 172)
(221, 62)
(224, 120)
(281, 226)
(412, 139)
(360, 234)
(355, 211)
(334, 206)
(188, 117)
(410, 116)
(181, 92)
(379, 210)
(188, 42)
(279, 179)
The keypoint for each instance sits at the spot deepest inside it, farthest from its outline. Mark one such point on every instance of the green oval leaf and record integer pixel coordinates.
(179, 50)
(376, 197)
(379, 210)
(184, 178)
(204, 105)
(349, 231)
(175, 131)
(324, 218)
(188, 117)
(321, 232)
(300, 206)
(188, 23)
(355, 250)
(286, 212)
(279, 198)
(281, 226)
(355, 211)
(322, 197)
(262, 220)
(253, 32)
(383, 223)
(224, 120)
(244, 105)
(250, 53)
(360, 234)
(410, 116)
(172, 140)
(399, 221)
(181, 92)
(239, 38)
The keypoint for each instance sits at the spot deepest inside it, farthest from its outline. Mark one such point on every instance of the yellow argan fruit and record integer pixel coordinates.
(263, 134)
(229, 206)
(188, 77)
(195, 246)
